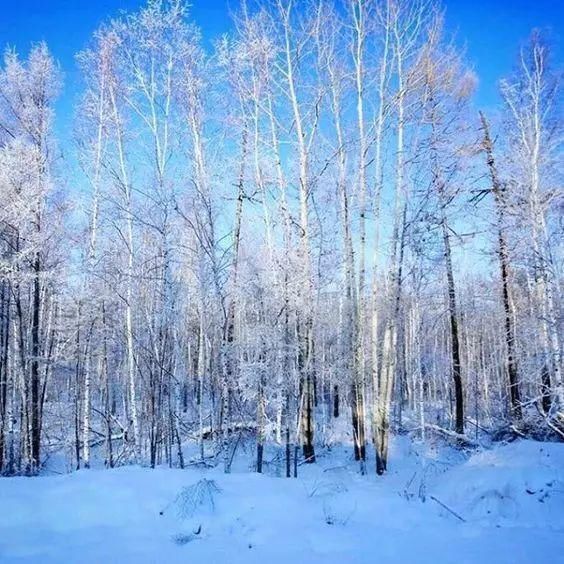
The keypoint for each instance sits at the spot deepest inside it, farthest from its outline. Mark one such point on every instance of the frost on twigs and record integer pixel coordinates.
(321, 488)
(199, 498)
(196, 500)
(337, 513)
(337, 508)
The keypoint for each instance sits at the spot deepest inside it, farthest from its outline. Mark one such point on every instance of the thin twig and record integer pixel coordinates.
(448, 508)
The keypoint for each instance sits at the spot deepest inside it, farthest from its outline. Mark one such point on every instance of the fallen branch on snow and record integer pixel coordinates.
(461, 440)
(447, 508)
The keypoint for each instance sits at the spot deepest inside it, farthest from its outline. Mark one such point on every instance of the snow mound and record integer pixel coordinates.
(509, 498)
(518, 483)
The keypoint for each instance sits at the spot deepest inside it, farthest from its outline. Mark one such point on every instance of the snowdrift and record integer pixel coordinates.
(503, 505)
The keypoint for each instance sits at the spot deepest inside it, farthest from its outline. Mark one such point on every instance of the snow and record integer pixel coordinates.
(505, 505)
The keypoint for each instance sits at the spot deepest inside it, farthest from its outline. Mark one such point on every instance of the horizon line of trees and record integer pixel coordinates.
(309, 222)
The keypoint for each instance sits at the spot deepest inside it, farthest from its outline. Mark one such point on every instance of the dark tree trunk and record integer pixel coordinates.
(336, 401)
(107, 393)
(34, 368)
(78, 369)
(357, 409)
(455, 341)
(288, 453)
(308, 448)
(4, 343)
(440, 187)
(306, 393)
(545, 388)
(260, 452)
(499, 196)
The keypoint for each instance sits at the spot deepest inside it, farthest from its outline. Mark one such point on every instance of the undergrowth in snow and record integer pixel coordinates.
(437, 504)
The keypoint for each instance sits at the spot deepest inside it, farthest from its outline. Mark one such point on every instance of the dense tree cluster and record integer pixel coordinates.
(307, 222)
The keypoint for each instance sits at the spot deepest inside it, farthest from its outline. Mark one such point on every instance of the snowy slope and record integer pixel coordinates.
(511, 499)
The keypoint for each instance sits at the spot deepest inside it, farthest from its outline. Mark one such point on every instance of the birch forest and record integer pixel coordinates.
(300, 234)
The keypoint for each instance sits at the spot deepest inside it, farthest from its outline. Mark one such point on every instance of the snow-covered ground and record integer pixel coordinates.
(505, 505)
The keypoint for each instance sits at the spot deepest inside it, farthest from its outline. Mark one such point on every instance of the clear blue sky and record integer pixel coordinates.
(491, 30)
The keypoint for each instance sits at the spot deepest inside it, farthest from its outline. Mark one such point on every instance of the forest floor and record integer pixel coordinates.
(436, 504)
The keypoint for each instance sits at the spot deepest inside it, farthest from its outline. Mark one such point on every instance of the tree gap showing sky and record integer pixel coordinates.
(490, 30)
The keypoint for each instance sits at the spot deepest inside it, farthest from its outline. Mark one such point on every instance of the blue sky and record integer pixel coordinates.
(491, 30)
